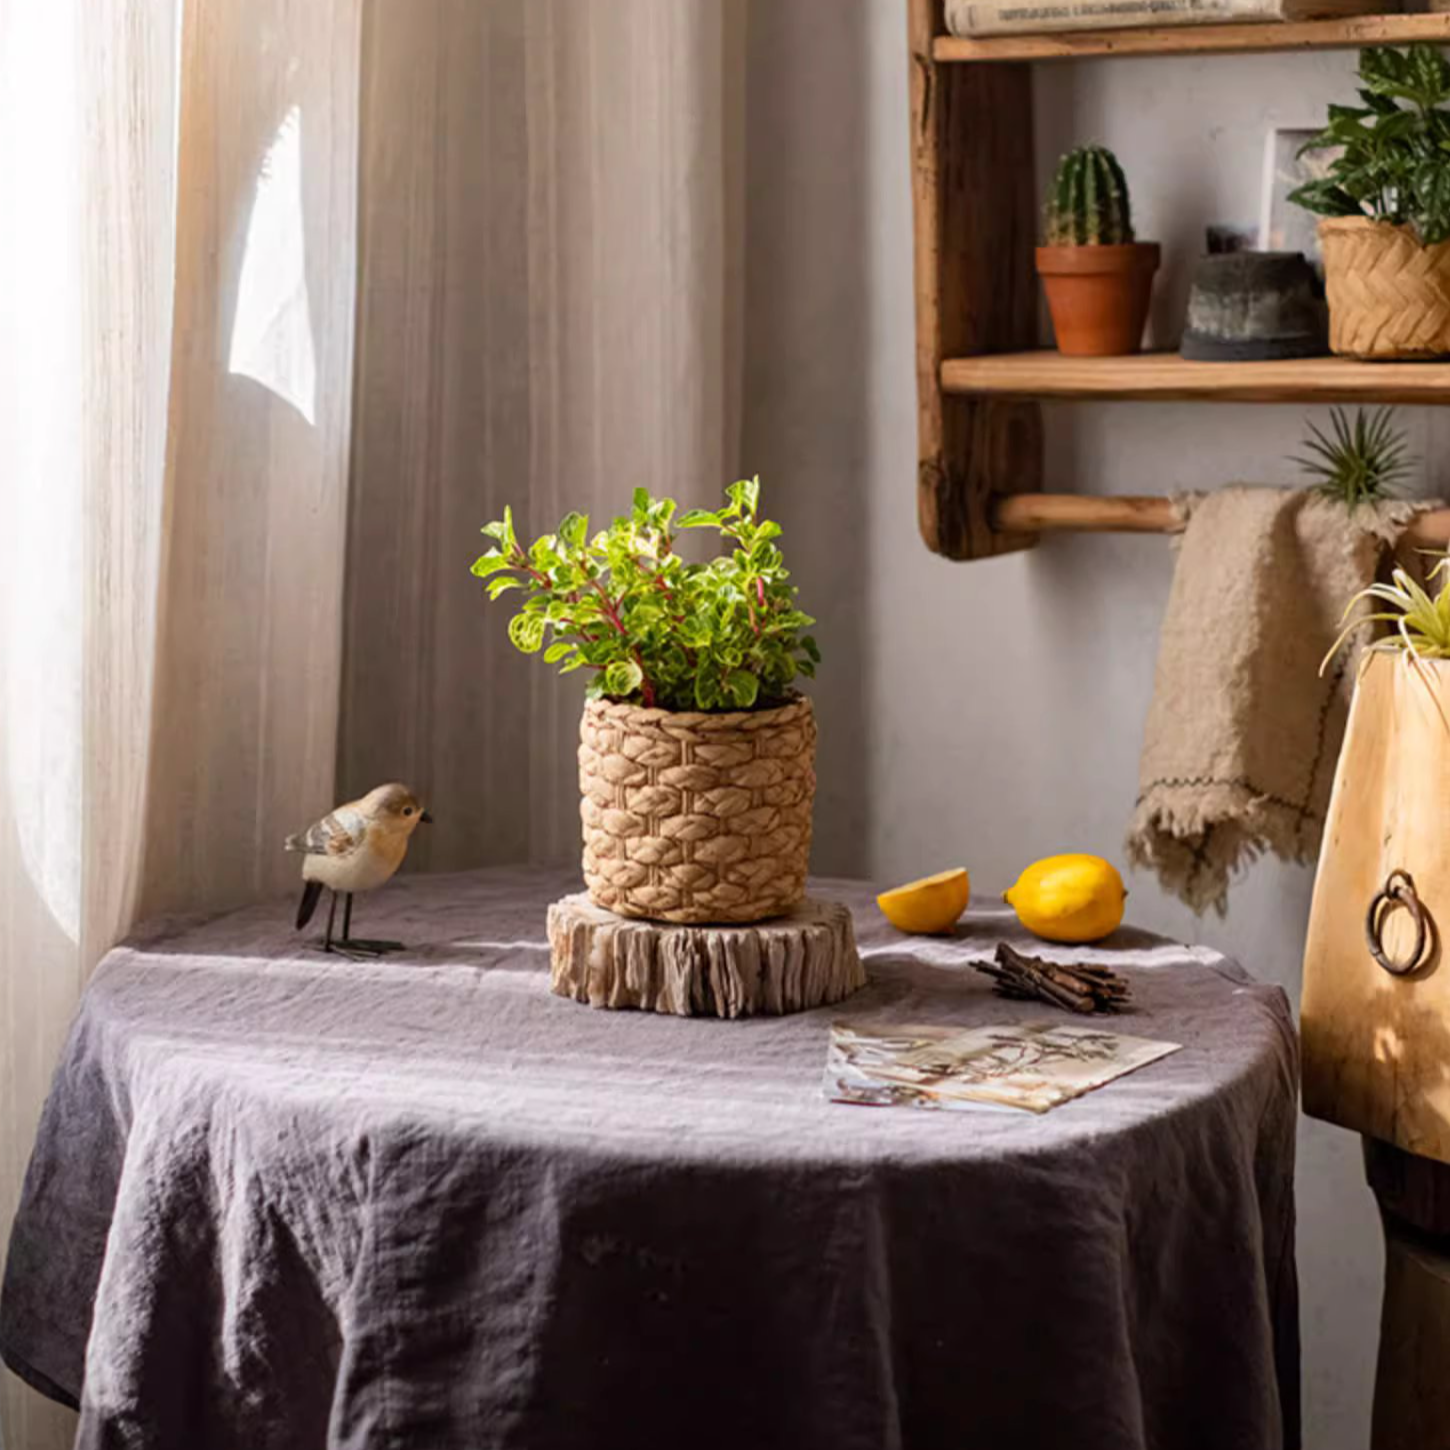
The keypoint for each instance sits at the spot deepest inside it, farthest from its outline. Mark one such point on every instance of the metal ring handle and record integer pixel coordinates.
(1398, 890)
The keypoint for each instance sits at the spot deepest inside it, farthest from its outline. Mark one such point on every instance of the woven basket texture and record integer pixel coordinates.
(693, 817)
(1388, 295)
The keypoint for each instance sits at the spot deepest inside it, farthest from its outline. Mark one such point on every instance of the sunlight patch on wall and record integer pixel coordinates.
(272, 329)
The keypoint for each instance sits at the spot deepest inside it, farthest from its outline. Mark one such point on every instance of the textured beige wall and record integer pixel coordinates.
(989, 713)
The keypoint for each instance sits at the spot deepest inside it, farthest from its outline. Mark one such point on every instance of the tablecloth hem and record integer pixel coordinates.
(19, 1366)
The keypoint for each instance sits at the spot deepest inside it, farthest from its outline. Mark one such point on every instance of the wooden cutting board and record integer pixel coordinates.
(1376, 1047)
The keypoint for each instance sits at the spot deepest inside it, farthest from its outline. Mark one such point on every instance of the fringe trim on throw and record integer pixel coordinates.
(1193, 838)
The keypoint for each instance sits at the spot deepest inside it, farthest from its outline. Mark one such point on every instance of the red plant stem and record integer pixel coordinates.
(750, 608)
(611, 613)
(535, 574)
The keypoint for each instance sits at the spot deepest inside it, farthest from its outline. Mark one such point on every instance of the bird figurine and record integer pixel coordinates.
(356, 847)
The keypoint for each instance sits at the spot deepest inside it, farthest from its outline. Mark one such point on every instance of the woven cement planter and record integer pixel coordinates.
(1389, 297)
(694, 817)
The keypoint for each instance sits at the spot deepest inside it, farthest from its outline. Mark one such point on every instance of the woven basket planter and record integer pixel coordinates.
(1389, 296)
(694, 817)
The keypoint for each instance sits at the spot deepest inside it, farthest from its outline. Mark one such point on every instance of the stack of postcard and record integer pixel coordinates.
(1034, 1066)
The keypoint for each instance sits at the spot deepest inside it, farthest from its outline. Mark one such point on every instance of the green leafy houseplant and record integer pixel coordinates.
(652, 628)
(1362, 461)
(1385, 208)
(1396, 145)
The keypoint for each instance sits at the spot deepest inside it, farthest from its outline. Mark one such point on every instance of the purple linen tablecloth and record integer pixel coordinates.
(283, 1200)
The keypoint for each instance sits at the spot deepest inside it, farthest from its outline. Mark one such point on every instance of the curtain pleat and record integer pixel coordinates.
(87, 140)
(248, 647)
(548, 305)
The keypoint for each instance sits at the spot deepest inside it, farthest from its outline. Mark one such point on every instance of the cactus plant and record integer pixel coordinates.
(1088, 204)
(1098, 277)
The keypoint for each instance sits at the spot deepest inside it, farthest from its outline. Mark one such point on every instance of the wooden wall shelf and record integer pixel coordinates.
(1347, 34)
(1166, 376)
(974, 202)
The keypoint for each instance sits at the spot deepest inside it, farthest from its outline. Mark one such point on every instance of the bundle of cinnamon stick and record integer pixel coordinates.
(1073, 985)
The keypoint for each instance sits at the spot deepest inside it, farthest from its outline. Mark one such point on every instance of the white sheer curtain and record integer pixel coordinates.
(545, 194)
(170, 611)
(87, 140)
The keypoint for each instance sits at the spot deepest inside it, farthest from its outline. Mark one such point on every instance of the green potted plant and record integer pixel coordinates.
(1385, 200)
(697, 756)
(1098, 279)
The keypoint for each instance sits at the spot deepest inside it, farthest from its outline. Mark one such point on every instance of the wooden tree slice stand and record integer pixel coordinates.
(790, 963)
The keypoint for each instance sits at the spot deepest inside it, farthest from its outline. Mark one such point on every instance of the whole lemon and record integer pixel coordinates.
(928, 906)
(1072, 898)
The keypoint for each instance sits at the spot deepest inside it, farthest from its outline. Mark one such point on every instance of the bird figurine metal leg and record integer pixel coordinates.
(363, 946)
(311, 893)
(355, 848)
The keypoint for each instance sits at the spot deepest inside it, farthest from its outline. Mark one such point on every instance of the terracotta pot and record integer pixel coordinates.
(1389, 295)
(1098, 296)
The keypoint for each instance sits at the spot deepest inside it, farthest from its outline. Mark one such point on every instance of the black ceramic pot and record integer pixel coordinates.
(1254, 307)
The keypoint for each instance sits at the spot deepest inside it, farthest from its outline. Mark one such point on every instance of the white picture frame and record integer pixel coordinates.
(1283, 226)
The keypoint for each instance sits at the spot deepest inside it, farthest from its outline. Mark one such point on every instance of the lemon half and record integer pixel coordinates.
(928, 906)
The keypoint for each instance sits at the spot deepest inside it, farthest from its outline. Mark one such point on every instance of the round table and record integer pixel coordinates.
(283, 1199)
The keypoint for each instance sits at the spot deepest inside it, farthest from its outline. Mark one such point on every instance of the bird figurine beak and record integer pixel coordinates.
(425, 819)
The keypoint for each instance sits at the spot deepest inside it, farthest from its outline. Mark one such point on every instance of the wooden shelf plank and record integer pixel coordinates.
(1166, 376)
(1344, 34)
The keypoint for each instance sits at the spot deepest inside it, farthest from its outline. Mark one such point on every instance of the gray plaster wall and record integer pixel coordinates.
(986, 714)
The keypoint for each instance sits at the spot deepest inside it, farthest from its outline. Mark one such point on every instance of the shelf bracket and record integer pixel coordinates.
(975, 216)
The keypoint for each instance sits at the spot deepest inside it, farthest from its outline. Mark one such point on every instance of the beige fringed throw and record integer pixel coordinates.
(1243, 733)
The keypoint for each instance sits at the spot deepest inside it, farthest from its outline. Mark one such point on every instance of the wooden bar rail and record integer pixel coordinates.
(1030, 513)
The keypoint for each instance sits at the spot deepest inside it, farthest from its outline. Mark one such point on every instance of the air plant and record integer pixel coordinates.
(1421, 620)
(1362, 461)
